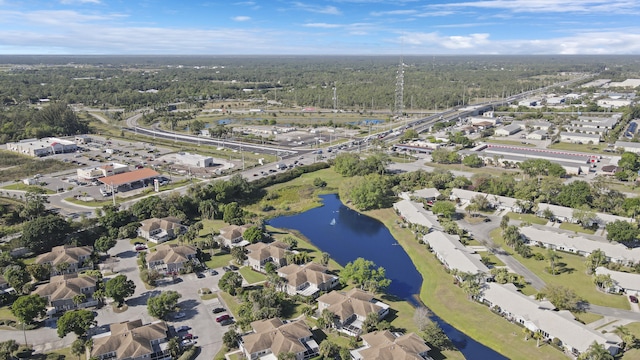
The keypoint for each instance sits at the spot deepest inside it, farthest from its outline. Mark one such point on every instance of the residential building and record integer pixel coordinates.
(161, 230)
(384, 345)
(622, 281)
(508, 130)
(67, 259)
(42, 147)
(273, 337)
(580, 245)
(464, 197)
(414, 213)
(171, 258)
(130, 340)
(565, 214)
(351, 309)
(61, 292)
(260, 254)
(231, 236)
(307, 280)
(455, 256)
(542, 317)
(428, 194)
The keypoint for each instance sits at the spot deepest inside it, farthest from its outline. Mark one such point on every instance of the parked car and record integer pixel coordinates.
(140, 247)
(213, 272)
(226, 322)
(187, 336)
(633, 299)
(188, 342)
(199, 275)
(218, 310)
(223, 317)
(233, 267)
(226, 268)
(179, 315)
(182, 328)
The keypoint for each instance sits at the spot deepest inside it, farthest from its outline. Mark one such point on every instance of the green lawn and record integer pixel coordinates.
(231, 302)
(590, 148)
(218, 260)
(493, 259)
(251, 276)
(303, 245)
(5, 314)
(24, 187)
(530, 218)
(634, 353)
(571, 275)
(576, 228)
(451, 304)
(509, 142)
(586, 317)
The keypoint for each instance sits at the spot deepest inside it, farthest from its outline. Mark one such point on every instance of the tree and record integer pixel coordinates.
(627, 337)
(7, 348)
(104, 243)
(605, 282)
(291, 241)
(584, 215)
(511, 235)
(119, 288)
(318, 182)
(596, 259)
(326, 319)
(325, 258)
(161, 305)
(230, 282)
(39, 272)
(444, 208)
(287, 356)
(421, 317)
(79, 299)
(552, 256)
(232, 213)
(481, 202)
(629, 161)
(16, 276)
(34, 204)
(444, 156)
(78, 348)
(621, 231)
(409, 134)
(173, 345)
(76, 321)
(369, 192)
(563, 298)
(328, 349)
(370, 323)
(253, 234)
(27, 308)
(238, 255)
(504, 222)
(42, 233)
(472, 161)
(364, 274)
(435, 336)
(596, 352)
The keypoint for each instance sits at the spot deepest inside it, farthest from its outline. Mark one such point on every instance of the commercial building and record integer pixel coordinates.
(194, 160)
(508, 130)
(579, 138)
(537, 135)
(628, 146)
(129, 179)
(533, 124)
(42, 147)
(96, 172)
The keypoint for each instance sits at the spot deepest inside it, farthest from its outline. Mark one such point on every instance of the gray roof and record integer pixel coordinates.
(580, 135)
(454, 254)
(567, 212)
(625, 280)
(467, 195)
(414, 213)
(427, 193)
(510, 128)
(570, 242)
(627, 144)
(541, 316)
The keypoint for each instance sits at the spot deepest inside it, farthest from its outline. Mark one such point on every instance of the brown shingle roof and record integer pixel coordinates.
(344, 306)
(297, 275)
(277, 337)
(64, 254)
(65, 286)
(129, 339)
(171, 253)
(384, 345)
(164, 223)
(260, 251)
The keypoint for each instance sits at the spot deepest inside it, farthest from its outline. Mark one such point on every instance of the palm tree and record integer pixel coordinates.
(79, 299)
(627, 337)
(595, 352)
(552, 255)
(173, 345)
(78, 348)
(326, 319)
(538, 336)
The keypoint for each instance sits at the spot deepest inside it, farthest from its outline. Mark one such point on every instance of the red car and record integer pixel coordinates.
(633, 299)
(187, 336)
(222, 318)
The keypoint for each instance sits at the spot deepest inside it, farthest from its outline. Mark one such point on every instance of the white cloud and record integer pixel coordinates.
(241, 18)
(548, 6)
(323, 25)
(393, 12)
(73, 2)
(328, 10)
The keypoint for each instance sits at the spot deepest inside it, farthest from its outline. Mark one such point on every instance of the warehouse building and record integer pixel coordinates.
(508, 130)
(579, 138)
(627, 146)
(195, 160)
(42, 147)
(537, 135)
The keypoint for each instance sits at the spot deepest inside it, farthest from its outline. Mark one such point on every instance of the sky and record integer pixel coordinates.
(319, 27)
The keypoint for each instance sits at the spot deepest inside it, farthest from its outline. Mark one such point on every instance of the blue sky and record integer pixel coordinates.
(320, 27)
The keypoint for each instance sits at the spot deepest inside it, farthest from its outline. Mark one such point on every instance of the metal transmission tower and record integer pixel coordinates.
(335, 98)
(399, 106)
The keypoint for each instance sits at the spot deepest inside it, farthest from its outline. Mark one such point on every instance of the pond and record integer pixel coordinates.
(347, 235)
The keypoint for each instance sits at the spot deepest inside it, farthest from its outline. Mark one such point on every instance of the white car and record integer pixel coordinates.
(188, 342)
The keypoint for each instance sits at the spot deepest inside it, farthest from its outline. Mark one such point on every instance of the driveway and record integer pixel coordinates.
(198, 312)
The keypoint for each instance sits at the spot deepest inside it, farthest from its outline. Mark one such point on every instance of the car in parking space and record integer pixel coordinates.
(226, 322)
(218, 310)
(233, 267)
(188, 342)
(187, 336)
(200, 275)
(182, 328)
(223, 317)
(179, 315)
(633, 299)
(226, 268)
(213, 272)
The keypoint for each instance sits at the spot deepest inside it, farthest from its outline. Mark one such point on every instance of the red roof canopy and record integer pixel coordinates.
(129, 177)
